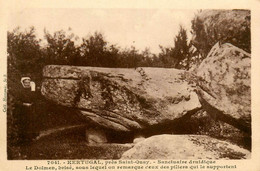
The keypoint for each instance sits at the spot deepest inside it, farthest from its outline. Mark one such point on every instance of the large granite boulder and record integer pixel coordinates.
(185, 147)
(121, 99)
(224, 85)
(232, 26)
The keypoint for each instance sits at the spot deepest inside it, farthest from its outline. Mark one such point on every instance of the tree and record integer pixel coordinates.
(174, 56)
(24, 52)
(147, 60)
(167, 58)
(112, 57)
(61, 49)
(181, 49)
(93, 50)
(130, 58)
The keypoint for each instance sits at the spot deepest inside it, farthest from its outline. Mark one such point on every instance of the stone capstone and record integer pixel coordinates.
(121, 99)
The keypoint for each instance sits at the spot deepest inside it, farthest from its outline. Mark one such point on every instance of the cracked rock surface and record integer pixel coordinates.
(224, 85)
(185, 147)
(121, 99)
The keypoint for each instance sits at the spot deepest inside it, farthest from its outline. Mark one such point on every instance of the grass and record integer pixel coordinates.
(69, 145)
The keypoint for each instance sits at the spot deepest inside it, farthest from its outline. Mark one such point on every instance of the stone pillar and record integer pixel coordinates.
(138, 138)
(95, 136)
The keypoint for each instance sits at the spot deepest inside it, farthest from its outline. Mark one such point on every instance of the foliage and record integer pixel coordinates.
(179, 55)
(94, 50)
(61, 49)
(223, 26)
(181, 48)
(24, 57)
(27, 55)
(24, 52)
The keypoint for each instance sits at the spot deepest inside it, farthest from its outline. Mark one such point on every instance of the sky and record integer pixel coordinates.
(142, 28)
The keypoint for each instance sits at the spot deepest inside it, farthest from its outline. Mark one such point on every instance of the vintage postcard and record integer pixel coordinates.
(130, 85)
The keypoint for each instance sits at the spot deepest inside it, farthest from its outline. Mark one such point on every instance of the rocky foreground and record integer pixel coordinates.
(185, 147)
(132, 100)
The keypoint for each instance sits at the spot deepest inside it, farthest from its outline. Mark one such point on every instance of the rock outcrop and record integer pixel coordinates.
(185, 147)
(144, 100)
(232, 26)
(121, 99)
(224, 85)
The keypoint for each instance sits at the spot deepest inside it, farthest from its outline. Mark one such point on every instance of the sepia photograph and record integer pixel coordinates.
(128, 84)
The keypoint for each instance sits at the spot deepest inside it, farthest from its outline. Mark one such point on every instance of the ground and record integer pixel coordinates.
(69, 145)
